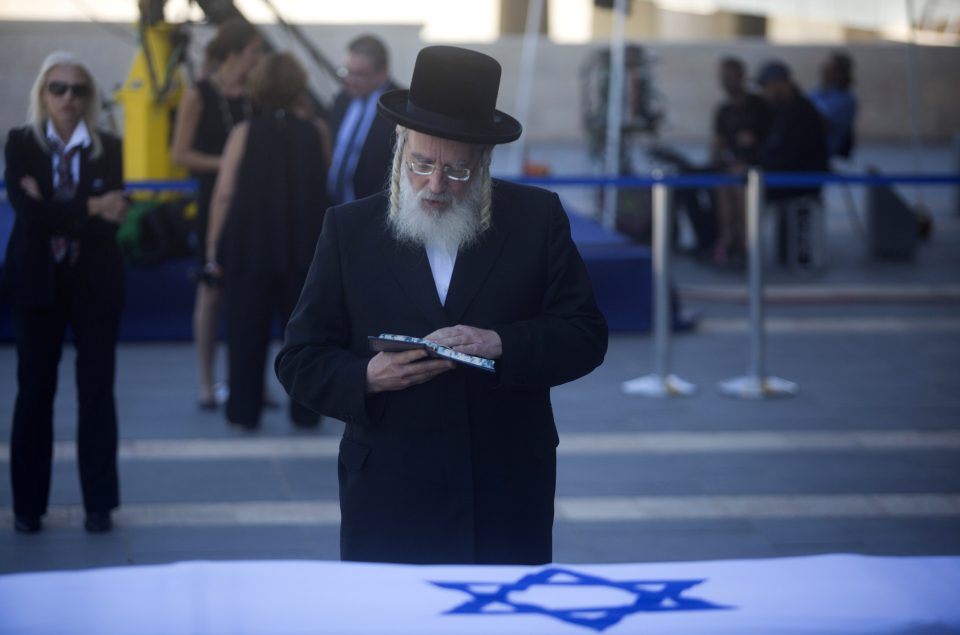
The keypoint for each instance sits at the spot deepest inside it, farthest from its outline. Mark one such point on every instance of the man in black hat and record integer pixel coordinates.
(444, 463)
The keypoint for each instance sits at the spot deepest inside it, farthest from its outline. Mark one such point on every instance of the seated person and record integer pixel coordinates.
(796, 140)
(837, 103)
(739, 127)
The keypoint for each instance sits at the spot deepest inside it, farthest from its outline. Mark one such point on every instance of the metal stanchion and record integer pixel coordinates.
(661, 383)
(956, 166)
(614, 112)
(756, 384)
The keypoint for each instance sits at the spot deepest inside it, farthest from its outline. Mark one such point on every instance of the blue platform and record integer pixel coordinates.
(160, 298)
(621, 273)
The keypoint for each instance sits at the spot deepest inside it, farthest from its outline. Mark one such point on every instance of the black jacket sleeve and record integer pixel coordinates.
(314, 365)
(569, 337)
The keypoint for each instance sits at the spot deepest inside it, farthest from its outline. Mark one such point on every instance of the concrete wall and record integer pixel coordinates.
(684, 74)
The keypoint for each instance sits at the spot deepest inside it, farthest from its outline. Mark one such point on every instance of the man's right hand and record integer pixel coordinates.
(396, 371)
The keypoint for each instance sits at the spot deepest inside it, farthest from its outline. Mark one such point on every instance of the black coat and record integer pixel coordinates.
(460, 469)
(277, 209)
(376, 157)
(29, 261)
(796, 142)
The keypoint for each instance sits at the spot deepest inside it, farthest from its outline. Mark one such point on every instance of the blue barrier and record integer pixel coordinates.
(792, 179)
(673, 180)
(188, 186)
(770, 180)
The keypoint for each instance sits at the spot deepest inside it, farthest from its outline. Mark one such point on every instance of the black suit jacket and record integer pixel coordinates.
(29, 261)
(460, 469)
(376, 157)
(796, 142)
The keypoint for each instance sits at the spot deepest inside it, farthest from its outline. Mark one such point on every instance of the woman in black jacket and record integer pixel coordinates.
(65, 183)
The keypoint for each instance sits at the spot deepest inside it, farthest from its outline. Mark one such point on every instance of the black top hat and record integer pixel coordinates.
(453, 95)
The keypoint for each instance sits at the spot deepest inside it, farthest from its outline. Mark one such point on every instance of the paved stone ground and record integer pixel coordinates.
(865, 459)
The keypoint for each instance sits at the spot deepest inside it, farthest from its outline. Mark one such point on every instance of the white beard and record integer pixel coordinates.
(458, 225)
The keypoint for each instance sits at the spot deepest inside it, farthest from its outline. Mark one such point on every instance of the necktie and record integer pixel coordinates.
(340, 172)
(64, 189)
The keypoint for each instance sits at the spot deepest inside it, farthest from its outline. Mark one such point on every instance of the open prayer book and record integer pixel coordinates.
(391, 343)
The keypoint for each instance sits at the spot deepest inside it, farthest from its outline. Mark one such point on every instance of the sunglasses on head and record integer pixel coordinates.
(58, 89)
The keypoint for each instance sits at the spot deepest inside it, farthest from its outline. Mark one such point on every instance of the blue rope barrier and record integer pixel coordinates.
(186, 185)
(791, 179)
(675, 180)
(771, 180)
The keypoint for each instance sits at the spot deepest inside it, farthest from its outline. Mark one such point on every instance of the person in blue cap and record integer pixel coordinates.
(445, 463)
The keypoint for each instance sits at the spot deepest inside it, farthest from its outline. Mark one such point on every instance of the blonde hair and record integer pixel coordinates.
(485, 182)
(37, 114)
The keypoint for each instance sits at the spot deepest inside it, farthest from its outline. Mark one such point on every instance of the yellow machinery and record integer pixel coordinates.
(155, 84)
(149, 98)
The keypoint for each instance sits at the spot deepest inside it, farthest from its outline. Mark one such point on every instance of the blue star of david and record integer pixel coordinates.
(652, 596)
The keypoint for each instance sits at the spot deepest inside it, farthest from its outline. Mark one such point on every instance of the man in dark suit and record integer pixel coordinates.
(442, 463)
(363, 139)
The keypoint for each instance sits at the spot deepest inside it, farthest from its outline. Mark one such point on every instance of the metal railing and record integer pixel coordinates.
(757, 383)
(185, 186)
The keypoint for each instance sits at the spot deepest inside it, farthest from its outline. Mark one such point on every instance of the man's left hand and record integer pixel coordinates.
(469, 340)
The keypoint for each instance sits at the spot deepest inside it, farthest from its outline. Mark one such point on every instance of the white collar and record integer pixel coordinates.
(80, 136)
(442, 260)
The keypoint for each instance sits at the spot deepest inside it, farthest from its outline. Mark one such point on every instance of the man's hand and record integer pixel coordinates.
(396, 371)
(469, 340)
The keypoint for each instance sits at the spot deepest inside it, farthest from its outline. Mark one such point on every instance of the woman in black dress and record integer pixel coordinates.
(205, 116)
(65, 184)
(265, 217)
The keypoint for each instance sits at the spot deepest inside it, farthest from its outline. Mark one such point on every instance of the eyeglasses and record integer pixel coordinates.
(59, 89)
(363, 75)
(422, 168)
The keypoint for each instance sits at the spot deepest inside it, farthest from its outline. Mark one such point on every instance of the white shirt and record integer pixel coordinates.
(80, 137)
(441, 265)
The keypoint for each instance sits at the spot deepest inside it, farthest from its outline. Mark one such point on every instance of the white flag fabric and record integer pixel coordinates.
(832, 594)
